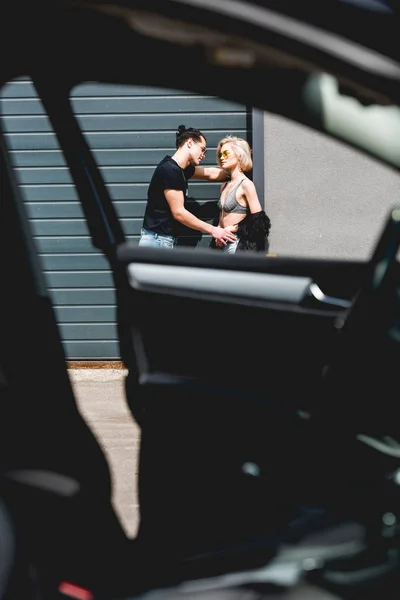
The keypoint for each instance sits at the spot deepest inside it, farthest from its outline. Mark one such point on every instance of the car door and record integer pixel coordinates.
(226, 355)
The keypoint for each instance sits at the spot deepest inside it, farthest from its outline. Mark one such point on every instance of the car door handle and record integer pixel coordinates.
(316, 294)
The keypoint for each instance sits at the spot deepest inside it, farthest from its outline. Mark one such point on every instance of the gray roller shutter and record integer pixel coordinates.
(129, 130)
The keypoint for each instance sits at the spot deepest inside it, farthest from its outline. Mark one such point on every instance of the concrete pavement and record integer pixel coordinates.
(101, 401)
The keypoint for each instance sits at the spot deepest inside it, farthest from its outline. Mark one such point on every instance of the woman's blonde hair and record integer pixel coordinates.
(241, 148)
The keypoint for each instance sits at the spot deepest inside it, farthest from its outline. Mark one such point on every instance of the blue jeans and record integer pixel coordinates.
(231, 247)
(150, 239)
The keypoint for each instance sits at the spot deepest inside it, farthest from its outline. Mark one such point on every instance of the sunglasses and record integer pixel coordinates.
(224, 154)
(203, 149)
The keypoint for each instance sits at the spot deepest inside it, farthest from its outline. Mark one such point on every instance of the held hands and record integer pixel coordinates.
(223, 235)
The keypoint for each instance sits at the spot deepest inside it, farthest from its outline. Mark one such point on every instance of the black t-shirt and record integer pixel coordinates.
(168, 175)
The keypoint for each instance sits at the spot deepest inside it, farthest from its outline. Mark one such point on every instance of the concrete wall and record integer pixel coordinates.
(323, 198)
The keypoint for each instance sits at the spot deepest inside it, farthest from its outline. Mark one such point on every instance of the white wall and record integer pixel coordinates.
(323, 198)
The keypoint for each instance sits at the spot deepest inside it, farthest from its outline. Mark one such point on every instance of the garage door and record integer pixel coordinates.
(129, 130)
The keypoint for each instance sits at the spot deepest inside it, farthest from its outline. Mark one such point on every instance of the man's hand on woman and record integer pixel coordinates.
(223, 235)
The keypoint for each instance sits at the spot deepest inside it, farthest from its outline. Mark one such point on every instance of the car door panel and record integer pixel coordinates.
(208, 283)
(216, 376)
(224, 355)
(216, 315)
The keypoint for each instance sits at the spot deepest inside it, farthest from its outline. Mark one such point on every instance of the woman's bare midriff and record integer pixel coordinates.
(230, 219)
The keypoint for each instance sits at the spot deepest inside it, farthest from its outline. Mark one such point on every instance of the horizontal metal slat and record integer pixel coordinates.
(66, 192)
(110, 89)
(68, 245)
(109, 157)
(82, 297)
(71, 227)
(116, 139)
(127, 209)
(182, 103)
(53, 227)
(133, 191)
(128, 122)
(76, 227)
(83, 314)
(112, 105)
(73, 210)
(76, 279)
(62, 175)
(88, 331)
(96, 350)
(37, 158)
(74, 262)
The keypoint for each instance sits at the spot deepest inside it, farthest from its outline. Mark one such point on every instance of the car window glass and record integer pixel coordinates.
(130, 129)
(325, 199)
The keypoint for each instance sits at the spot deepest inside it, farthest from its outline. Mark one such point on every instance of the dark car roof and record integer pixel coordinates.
(373, 23)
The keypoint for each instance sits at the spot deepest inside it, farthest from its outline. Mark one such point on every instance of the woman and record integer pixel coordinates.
(240, 210)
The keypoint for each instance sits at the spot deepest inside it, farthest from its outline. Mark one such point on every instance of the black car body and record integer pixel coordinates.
(306, 441)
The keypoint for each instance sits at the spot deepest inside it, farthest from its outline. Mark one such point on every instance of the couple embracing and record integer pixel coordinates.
(241, 223)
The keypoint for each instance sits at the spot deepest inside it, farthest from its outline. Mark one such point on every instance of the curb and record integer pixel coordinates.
(96, 364)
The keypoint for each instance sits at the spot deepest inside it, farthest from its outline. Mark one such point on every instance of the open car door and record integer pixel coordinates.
(249, 371)
(235, 351)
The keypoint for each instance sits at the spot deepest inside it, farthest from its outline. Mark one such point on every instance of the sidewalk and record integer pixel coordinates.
(101, 401)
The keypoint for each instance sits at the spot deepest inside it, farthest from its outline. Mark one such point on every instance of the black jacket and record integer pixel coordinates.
(253, 232)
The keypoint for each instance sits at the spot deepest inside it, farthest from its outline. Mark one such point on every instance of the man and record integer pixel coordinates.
(168, 189)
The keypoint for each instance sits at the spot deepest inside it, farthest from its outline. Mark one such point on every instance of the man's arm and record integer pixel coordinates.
(210, 173)
(175, 200)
